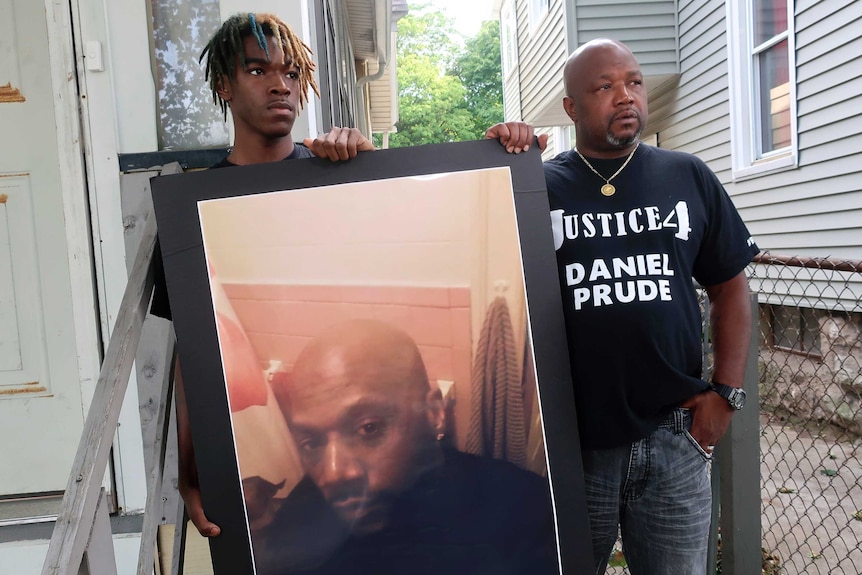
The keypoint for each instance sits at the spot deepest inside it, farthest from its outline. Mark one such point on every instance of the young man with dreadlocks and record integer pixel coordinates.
(257, 66)
(260, 69)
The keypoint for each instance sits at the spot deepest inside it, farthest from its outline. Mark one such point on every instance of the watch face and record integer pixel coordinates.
(737, 399)
(735, 396)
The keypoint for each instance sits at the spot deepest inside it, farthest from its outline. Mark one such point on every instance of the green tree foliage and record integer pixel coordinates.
(426, 33)
(446, 87)
(481, 74)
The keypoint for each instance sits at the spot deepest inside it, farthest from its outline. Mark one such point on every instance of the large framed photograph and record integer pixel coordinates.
(375, 364)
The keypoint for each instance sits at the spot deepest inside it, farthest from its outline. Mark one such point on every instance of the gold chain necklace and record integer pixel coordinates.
(608, 189)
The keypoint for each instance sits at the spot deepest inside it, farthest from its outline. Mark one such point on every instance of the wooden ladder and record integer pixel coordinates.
(81, 542)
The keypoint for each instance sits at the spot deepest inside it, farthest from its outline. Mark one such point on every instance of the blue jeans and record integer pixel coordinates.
(657, 492)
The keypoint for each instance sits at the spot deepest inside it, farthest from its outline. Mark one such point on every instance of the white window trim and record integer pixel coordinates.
(509, 24)
(560, 135)
(536, 18)
(743, 100)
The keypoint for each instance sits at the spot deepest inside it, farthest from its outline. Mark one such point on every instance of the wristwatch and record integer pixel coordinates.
(735, 396)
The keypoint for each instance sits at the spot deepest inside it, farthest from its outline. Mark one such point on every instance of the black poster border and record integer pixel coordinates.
(176, 198)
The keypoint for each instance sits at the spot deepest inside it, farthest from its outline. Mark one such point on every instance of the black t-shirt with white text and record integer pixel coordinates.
(626, 264)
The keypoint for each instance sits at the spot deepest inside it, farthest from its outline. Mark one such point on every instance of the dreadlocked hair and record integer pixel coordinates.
(225, 49)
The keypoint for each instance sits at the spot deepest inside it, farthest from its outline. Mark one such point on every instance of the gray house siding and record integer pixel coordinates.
(816, 209)
(648, 26)
(813, 209)
(541, 56)
(693, 115)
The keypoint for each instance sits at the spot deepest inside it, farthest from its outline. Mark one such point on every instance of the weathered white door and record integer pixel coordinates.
(41, 414)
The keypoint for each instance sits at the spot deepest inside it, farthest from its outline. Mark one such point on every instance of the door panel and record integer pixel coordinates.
(41, 416)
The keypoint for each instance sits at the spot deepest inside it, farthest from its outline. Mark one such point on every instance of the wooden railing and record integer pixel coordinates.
(81, 541)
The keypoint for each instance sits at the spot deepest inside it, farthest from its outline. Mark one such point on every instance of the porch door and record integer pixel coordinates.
(41, 414)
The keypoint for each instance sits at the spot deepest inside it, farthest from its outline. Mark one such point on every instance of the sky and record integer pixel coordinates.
(467, 14)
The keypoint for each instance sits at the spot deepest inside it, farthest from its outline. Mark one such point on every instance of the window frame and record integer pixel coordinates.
(211, 128)
(508, 39)
(538, 11)
(743, 82)
(794, 329)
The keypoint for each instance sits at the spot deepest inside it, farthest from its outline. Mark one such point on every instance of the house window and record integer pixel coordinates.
(770, 59)
(188, 119)
(508, 39)
(563, 138)
(335, 66)
(570, 138)
(795, 329)
(538, 9)
(762, 85)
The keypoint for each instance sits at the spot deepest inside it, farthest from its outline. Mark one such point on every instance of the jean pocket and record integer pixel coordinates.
(703, 453)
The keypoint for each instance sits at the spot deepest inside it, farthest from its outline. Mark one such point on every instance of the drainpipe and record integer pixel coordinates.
(382, 57)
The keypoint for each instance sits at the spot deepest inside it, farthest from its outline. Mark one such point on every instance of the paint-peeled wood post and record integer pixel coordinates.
(152, 513)
(77, 514)
(99, 558)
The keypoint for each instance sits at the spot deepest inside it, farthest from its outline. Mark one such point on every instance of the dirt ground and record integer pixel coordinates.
(811, 493)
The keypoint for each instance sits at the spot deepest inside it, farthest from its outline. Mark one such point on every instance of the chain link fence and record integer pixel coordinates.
(810, 367)
(810, 385)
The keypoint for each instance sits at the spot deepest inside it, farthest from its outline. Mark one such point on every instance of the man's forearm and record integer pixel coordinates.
(730, 318)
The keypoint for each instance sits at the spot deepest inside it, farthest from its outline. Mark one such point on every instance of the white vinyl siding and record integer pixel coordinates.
(649, 27)
(541, 56)
(812, 208)
(816, 210)
(383, 97)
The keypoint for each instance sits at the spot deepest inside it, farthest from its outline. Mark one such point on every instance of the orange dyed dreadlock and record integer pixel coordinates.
(225, 50)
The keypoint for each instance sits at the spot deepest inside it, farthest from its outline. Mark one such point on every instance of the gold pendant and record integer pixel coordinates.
(608, 190)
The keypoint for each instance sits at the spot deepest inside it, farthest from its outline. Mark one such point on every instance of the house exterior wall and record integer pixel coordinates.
(117, 103)
(648, 27)
(383, 97)
(335, 65)
(535, 94)
(812, 209)
(815, 208)
(692, 113)
(542, 52)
